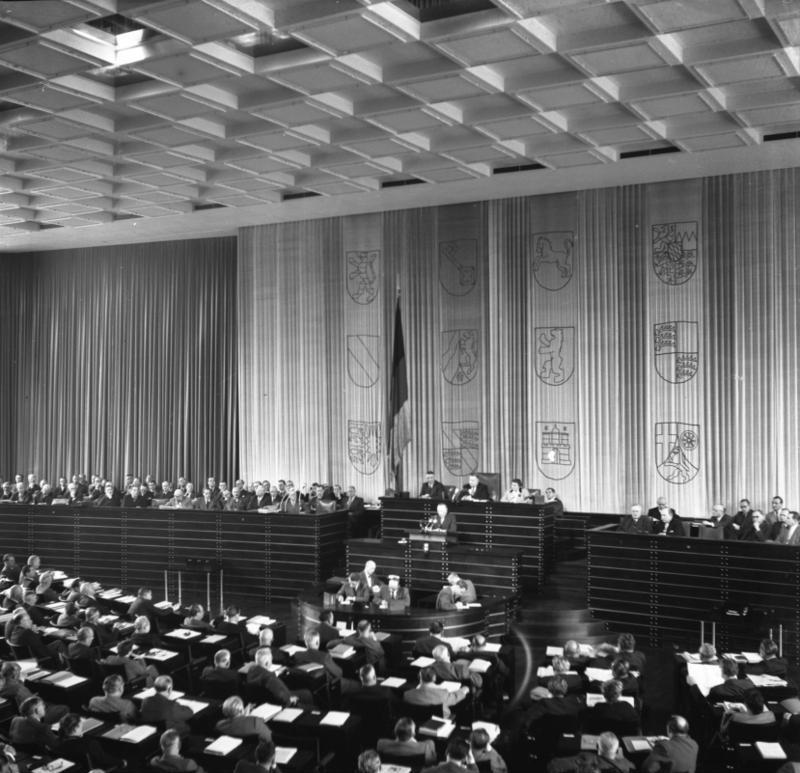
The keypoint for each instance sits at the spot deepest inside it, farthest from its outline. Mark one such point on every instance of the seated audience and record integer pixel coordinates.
(30, 728)
(73, 745)
(238, 723)
(112, 702)
(770, 662)
(457, 591)
(393, 594)
(679, 749)
(611, 713)
(757, 713)
(435, 636)
(453, 672)
(637, 522)
(275, 691)
(134, 665)
(161, 707)
(405, 744)
(428, 693)
(170, 758)
(313, 654)
(482, 751)
(364, 640)
(263, 760)
(608, 757)
(457, 758)
(368, 762)
(221, 672)
(732, 688)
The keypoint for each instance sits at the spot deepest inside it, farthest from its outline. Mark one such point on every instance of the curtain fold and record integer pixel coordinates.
(119, 360)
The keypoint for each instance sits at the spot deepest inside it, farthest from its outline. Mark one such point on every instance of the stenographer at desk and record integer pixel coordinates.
(442, 524)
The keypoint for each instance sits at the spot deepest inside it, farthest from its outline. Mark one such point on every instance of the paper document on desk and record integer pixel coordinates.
(56, 766)
(770, 750)
(266, 711)
(492, 730)
(213, 638)
(151, 691)
(545, 671)
(592, 699)
(450, 686)
(163, 604)
(704, 676)
(225, 744)
(598, 674)
(589, 742)
(264, 620)
(393, 681)
(138, 734)
(491, 646)
(195, 706)
(479, 665)
(766, 680)
(752, 657)
(283, 754)
(292, 649)
(288, 715)
(183, 634)
(422, 662)
(551, 652)
(641, 745)
(335, 718)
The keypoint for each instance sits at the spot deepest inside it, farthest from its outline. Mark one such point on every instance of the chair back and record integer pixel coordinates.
(414, 761)
(217, 690)
(741, 733)
(420, 714)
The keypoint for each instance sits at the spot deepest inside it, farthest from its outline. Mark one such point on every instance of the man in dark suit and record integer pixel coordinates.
(456, 758)
(365, 640)
(143, 606)
(21, 494)
(668, 524)
(162, 708)
(559, 704)
(404, 744)
(722, 521)
(134, 498)
(425, 644)
(328, 632)
(770, 662)
(679, 749)
(613, 712)
(636, 522)
(443, 523)
(473, 491)
(170, 758)
(428, 693)
(261, 498)
(241, 725)
(44, 496)
(82, 649)
(756, 529)
(661, 503)
(357, 523)
(733, 688)
(393, 594)
(369, 698)
(109, 498)
(432, 488)
(789, 533)
(221, 674)
(275, 691)
(313, 654)
(743, 516)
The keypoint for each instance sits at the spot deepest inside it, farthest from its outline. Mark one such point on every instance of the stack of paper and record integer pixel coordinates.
(343, 651)
(138, 734)
(310, 667)
(225, 744)
(492, 730)
(480, 665)
(438, 727)
(266, 711)
(394, 682)
(292, 649)
(422, 662)
(770, 751)
(335, 718)
(288, 715)
(283, 754)
(195, 706)
(450, 686)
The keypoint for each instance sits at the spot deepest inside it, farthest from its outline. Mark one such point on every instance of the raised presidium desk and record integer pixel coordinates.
(488, 526)
(680, 590)
(251, 557)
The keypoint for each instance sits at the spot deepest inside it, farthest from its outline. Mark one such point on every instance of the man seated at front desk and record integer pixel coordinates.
(668, 523)
(637, 522)
(432, 488)
(473, 491)
(443, 524)
(721, 522)
(456, 594)
(393, 595)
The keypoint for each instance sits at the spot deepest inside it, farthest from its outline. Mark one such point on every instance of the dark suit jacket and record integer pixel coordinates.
(675, 527)
(276, 690)
(434, 490)
(408, 748)
(323, 658)
(148, 609)
(654, 513)
(425, 644)
(244, 727)
(603, 715)
(680, 750)
(105, 501)
(355, 506)
(140, 501)
(159, 708)
(480, 492)
(750, 533)
(726, 524)
(643, 526)
(327, 634)
(730, 690)
(220, 676)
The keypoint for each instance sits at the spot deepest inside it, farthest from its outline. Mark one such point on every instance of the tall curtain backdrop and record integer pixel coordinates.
(615, 344)
(120, 359)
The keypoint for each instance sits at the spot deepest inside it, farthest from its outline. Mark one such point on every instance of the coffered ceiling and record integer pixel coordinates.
(122, 120)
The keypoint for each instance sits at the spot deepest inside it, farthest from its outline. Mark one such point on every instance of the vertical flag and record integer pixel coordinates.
(399, 422)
